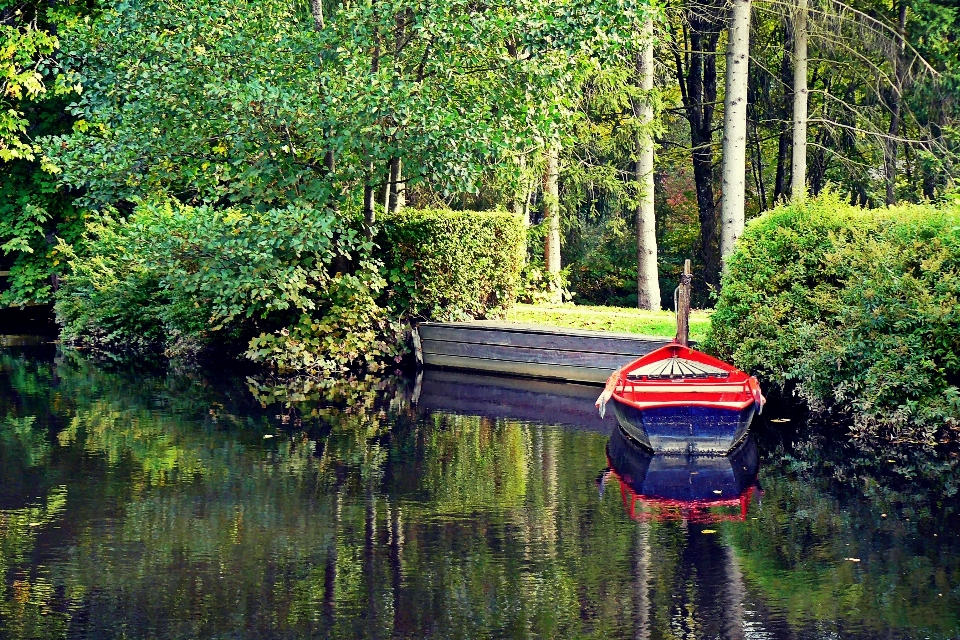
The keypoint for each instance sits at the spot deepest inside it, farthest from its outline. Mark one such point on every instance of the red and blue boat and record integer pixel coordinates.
(678, 400)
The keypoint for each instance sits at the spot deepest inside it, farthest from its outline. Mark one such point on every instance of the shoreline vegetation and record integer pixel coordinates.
(853, 312)
(297, 186)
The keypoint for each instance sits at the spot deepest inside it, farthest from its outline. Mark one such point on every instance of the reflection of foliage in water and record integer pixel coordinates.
(360, 517)
(27, 603)
(338, 522)
(849, 535)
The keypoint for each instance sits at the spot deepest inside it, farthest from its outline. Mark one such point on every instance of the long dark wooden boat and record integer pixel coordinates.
(679, 400)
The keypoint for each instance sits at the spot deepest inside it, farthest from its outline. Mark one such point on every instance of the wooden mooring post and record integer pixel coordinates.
(683, 305)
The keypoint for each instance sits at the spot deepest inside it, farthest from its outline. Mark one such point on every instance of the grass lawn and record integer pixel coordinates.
(651, 323)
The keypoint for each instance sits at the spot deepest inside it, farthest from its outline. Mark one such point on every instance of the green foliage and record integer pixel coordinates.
(186, 278)
(857, 311)
(32, 215)
(24, 54)
(33, 100)
(221, 100)
(536, 285)
(452, 264)
(606, 272)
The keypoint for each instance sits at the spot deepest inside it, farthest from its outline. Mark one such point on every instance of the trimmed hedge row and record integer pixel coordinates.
(298, 288)
(448, 265)
(855, 311)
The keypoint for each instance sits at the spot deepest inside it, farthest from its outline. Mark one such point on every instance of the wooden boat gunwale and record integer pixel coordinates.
(667, 392)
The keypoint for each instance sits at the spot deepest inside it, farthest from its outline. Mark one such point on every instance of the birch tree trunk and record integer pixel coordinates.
(551, 212)
(369, 200)
(316, 8)
(891, 147)
(388, 189)
(798, 183)
(735, 128)
(648, 278)
(398, 195)
(521, 198)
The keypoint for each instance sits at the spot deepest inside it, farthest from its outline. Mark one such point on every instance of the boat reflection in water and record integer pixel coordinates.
(702, 489)
(677, 500)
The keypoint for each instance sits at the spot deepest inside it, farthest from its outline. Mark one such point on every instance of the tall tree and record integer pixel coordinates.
(733, 203)
(784, 148)
(798, 185)
(894, 104)
(694, 49)
(648, 277)
(551, 213)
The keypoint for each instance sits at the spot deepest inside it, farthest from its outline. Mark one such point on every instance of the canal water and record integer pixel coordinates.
(145, 503)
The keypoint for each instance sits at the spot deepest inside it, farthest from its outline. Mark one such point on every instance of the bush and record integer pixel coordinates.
(855, 311)
(452, 264)
(190, 278)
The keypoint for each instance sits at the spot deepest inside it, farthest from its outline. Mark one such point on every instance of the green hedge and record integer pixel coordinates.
(188, 279)
(451, 264)
(855, 311)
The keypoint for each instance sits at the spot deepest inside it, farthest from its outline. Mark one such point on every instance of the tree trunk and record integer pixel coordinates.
(700, 98)
(316, 8)
(935, 132)
(896, 98)
(735, 128)
(697, 77)
(551, 212)
(369, 200)
(388, 188)
(522, 197)
(648, 278)
(798, 185)
(398, 195)
(369, 190)
(783, 141)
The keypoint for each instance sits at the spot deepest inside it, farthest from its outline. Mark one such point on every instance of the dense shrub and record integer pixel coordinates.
(855, 311)
(187, 278)
(536, 285)
(452, 264)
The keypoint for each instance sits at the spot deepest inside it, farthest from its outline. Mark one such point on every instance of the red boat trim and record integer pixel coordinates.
(734, 390)
(732, 406)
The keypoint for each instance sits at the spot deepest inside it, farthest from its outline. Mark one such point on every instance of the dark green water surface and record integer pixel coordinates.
(137, 504)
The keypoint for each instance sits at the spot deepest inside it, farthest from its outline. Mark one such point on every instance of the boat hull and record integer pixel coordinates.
(685, 429)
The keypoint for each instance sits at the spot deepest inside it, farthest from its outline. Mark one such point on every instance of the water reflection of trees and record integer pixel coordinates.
(358, 517)
(338, 525)
(858, 539)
